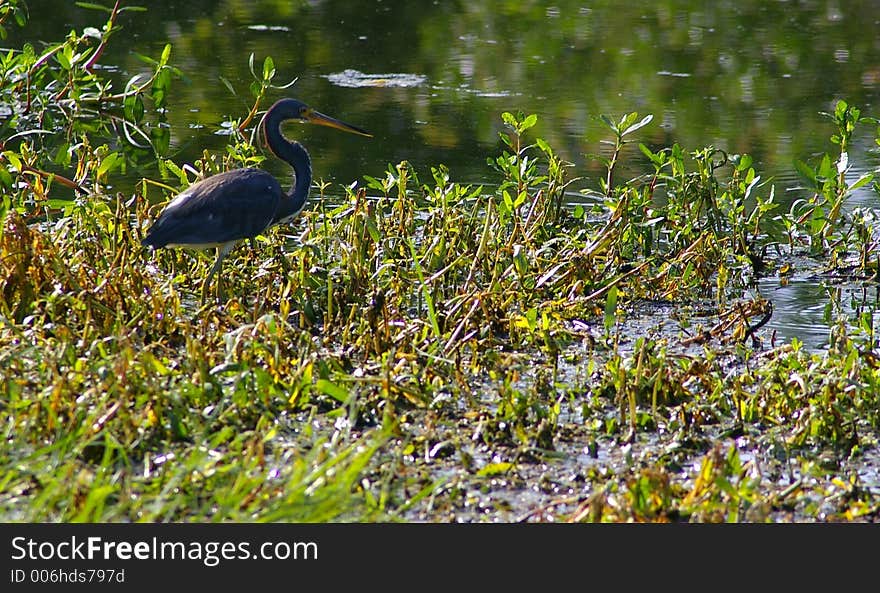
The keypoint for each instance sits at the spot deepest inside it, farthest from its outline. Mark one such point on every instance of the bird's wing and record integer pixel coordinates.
(222, 208)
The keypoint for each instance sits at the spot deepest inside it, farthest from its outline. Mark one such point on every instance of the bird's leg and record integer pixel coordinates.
(207, 282)
(221, 253)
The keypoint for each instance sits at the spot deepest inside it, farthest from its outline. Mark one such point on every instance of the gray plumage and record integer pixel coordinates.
(250, 199)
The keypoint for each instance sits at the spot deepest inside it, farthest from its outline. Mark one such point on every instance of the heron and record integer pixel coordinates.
(223, 209)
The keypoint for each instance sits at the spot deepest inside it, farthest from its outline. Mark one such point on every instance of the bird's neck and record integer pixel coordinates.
(298, 158)
(296, 155)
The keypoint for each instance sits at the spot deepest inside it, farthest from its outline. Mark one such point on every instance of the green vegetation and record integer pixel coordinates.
(434, 351)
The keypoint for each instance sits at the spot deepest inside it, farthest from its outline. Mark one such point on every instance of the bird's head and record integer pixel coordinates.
(297, 110)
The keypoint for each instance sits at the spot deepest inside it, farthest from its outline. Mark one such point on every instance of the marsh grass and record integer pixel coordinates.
(420, 349)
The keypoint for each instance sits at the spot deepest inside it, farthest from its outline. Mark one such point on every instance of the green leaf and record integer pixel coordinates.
(227, 84)
(805, 171)
(658, 159)
(611, 308)
(608, 122)
(93, 6)
(144, 58)
(160, 137)
(745, 161)
(327, 387)
(687, 273)
(508, 201)
(110, 162)
(161, 84)
(14, 159)
(59, 203)
(373, 229)
(862, 181)
(494, 469)
(826, 169)
(374, 183)
(520, 262)
(62, 155)
(63, 59)
(532, 318)
(636, 126)
(166, 54)
(133, 107)
(172, 167)
(268, 69)
(157, 364)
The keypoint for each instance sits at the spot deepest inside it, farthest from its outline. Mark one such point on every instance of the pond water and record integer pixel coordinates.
(809, 308)
(430, 80)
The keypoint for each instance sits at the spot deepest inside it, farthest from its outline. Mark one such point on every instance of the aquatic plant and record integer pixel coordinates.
(414, 348)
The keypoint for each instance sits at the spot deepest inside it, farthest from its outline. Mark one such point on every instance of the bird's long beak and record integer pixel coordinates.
(314, 117)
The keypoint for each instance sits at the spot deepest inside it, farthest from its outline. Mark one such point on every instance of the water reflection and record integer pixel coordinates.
(809, 309)
(745, 76)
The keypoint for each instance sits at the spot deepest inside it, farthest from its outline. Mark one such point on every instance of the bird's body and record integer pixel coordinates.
(223, 209)
(250, 199)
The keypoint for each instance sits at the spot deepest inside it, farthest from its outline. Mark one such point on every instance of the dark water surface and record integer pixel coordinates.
(430, 79)
(745, 76)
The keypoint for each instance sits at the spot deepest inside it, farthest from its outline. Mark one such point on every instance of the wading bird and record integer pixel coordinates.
(240, 204)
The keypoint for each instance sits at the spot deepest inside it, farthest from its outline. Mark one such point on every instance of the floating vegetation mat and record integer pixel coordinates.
(355, 79)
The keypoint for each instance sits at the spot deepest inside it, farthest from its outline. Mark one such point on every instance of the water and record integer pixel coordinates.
(430, 80)
(809, 308)
(746, 76)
